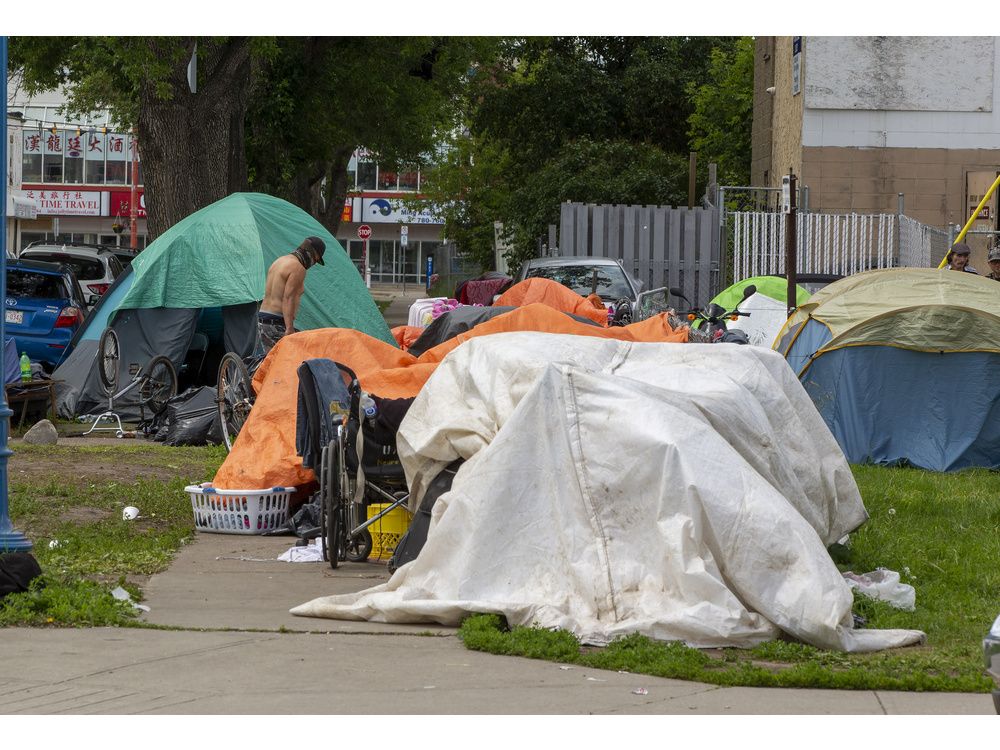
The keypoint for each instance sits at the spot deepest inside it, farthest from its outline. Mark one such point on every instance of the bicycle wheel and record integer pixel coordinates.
(159, 384)
(109, 354)
(234, 396)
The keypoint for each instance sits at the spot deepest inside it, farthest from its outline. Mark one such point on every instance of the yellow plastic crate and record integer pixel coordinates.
(388, 530)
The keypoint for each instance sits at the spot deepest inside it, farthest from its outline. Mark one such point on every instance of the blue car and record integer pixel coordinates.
(43, 308)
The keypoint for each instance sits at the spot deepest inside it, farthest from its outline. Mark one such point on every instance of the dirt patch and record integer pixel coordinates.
(73, 465)
(84, 515)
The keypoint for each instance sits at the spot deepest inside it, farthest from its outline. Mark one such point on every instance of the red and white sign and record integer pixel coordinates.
(364, 232)
(66, 202)
(121, 203)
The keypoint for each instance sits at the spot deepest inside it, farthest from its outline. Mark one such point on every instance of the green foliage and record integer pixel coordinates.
(938, 531)
(549, 120)
(57, 601)
(319, 98)
(720, 126)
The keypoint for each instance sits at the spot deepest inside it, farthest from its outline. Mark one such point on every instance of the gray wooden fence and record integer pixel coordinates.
(658, 245)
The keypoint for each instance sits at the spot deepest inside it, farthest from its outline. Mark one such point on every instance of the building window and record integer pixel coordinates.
(115, 172)
(387, 180)
(352, 173)
(74, 170)
(31, 167)
(52, 168)
(408, 180)
(367, 171)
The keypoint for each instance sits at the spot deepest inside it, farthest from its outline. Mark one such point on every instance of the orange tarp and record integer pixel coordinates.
(264, 453)
(406, 335)
(555, 295)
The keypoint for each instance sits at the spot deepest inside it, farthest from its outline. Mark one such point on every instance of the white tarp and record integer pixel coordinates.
(767, 316)
(680, 491)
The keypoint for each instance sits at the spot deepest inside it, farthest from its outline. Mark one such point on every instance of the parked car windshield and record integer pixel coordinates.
(611, 282)
(32, 284)
(85, 268)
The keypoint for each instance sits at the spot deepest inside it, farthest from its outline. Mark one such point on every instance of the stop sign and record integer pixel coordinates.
(364, 232)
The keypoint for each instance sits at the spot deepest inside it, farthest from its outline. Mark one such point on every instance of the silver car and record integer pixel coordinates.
(96, 268)
(587, 275)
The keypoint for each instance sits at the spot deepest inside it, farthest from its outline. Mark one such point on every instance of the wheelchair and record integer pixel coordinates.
(356, 455)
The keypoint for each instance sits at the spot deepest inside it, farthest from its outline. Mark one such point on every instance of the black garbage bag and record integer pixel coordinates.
(413, 540)
(17, 571)
(305, 523)
(191, 418)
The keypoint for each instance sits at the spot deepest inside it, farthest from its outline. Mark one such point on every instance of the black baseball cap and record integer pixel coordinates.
(961, 249)
(319, 246)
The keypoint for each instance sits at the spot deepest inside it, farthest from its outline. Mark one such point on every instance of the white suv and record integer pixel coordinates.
(95, 268)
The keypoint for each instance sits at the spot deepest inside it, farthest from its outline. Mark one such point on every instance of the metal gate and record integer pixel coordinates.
(826, 243)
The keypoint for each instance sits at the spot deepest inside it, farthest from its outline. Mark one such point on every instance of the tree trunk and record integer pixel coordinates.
(192, 145)
(330, 209)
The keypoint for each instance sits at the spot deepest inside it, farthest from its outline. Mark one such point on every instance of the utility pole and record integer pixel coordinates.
(791, 241)
(11, 540)
(692, 164)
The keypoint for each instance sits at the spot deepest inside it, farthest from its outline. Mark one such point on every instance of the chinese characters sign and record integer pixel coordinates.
(121, 204)
(67, 202)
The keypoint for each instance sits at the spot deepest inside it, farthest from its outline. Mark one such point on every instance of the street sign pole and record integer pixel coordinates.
(404, 238)
(11, 540)
(364, 232)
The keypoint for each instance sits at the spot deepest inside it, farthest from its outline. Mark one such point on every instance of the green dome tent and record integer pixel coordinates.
(767, 307)
(212, 265)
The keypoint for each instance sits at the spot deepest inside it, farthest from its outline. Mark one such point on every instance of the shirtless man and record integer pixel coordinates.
(286, 280)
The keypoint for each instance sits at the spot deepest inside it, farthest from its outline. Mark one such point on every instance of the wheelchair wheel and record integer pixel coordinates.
(159, 384)
(359, 547)
(234, 396)
(330, 510)
(110, 354)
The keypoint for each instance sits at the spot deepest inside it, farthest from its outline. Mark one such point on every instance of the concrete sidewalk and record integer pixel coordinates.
(234, 648)
(400, 300)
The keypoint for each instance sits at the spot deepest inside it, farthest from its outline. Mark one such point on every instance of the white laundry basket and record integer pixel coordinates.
(239, 511)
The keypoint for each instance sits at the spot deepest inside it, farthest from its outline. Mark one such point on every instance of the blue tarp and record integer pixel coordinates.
(887, 405)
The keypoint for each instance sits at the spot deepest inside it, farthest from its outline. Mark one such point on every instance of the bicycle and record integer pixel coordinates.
(157, 383)
(234, 394)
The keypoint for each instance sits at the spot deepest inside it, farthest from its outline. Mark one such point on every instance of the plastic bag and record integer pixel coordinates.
(192, 418)
(884, 585)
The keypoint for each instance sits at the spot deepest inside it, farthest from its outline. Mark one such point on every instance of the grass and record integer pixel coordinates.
(939, 531)
(83, 545)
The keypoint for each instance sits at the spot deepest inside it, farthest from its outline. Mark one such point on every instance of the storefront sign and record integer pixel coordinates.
(121, 203)
(392, 211)
(66, 202)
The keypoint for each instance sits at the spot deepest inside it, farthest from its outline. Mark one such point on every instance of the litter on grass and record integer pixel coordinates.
(885, 586)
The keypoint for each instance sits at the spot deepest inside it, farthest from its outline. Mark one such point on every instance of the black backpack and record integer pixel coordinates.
(17, 571)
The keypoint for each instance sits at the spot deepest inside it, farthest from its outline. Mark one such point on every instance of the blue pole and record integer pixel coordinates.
(10, 539)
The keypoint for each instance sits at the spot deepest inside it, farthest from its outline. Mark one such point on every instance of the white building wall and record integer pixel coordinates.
(901, 92)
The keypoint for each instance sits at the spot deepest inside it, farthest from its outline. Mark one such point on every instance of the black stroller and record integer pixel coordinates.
(349, 439)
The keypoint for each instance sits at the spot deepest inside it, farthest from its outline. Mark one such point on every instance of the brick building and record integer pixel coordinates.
(862, 119)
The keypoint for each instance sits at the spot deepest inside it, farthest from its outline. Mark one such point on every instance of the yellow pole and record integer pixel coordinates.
(961, 235)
